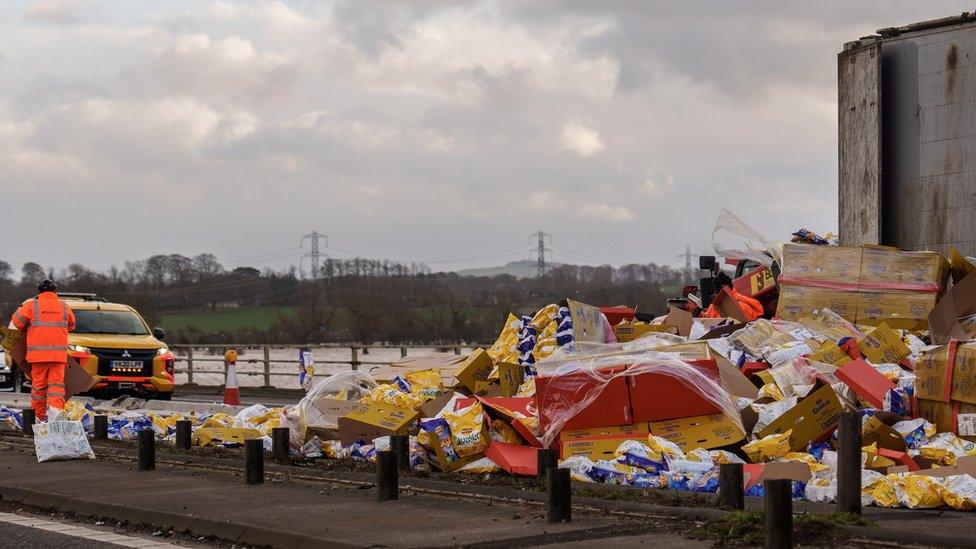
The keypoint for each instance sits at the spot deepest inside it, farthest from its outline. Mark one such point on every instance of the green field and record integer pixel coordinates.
(226, 319)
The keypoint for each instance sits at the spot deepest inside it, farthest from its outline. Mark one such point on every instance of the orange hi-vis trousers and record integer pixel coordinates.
(47, 387)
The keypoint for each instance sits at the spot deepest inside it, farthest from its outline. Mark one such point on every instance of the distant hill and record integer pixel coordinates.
(519, 269)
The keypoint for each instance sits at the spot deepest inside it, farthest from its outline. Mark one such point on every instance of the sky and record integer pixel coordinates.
(429, 131)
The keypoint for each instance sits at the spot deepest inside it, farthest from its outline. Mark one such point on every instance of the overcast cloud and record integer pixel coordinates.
(426, 130)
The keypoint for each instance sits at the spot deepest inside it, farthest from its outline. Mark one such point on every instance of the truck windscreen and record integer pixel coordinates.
(109, 322)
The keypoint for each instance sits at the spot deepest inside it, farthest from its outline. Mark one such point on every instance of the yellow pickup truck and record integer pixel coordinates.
(115, 346)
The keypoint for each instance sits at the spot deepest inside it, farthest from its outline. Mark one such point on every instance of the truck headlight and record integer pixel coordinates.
(162, 351)
(79, 348)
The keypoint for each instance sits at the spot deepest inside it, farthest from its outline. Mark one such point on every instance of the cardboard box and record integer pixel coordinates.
(476, 367)
(510, 377)
(599, 443)
(813, 419)
(755, 473)
(657, 396)
(830, 353)
(728, 307)
(755, 283)
(445, 363)
(587, 321)
(898, 309)
(884, 264)
(706, 431)
(514, 459)
(958, 302)
(829, 263)
(882, 345)
(850, 282)
(866, 382)
(959, 266)
(947, 372)
(373, 420)
(681, 319)
(876, 432)
(76, 378)
(629, 331)
(611, 407)
(205, 435)
(946, 415)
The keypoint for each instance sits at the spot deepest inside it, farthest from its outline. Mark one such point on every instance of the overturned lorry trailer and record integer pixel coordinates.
(907, 136)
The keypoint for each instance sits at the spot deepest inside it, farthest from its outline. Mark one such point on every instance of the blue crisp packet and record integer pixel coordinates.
(403, 384)
(817, 449)
(440, 432)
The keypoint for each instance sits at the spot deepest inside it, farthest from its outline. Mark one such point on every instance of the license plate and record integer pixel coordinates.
(127, 385)
(127, 364)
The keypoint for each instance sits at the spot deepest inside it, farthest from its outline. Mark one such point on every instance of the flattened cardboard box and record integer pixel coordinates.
(374, 420)
(812, 419)
(708, 431)
(599, 443)
(510, 377)
(883, 346)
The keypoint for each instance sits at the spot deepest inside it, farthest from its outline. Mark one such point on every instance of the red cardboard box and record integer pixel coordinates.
(555, 395)
(515, 459)
(656, 396)
(868, 383)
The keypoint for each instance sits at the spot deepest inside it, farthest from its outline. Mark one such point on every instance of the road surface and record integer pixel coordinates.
(43, 532)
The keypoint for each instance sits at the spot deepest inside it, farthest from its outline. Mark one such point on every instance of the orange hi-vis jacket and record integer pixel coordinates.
(47, 320)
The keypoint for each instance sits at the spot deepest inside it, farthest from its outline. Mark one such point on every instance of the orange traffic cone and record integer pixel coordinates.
(232, 394)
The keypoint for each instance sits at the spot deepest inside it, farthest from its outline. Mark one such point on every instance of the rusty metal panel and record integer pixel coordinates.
(859, 146)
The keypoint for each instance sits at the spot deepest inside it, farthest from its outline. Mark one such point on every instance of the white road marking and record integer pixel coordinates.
(76, 531)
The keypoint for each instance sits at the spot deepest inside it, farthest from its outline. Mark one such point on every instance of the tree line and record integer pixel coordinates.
(350, 300)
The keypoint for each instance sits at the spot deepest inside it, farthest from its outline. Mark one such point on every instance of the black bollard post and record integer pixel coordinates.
(849, 463)
(400, 444)
(779, 513)
(279, 443)
(29, 419)
(254, 461)
(147, 450)
(184, 434)
(731, 492)
(387, 479)
(545, 459)
(559, 505)
(100, 427)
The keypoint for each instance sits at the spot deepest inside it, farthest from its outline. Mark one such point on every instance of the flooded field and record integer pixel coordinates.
(208, 368)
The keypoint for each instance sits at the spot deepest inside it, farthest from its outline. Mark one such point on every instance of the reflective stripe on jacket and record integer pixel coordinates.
(47, 320)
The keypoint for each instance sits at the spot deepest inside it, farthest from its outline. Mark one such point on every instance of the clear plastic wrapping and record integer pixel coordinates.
(577, 381)
(757, 247)
(349, 386)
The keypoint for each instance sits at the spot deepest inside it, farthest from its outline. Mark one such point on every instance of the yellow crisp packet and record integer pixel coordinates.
(946, 447)
(425, 383)
(468, 430)
(959, 492)
(423, 438)
(544, 316)
(501, 431)
(815, 466)
(393, 396)
(720, 457)
(526, 389)
(884, 491)
(331, 449)
(772, 391)
(219, 420)
(919, 492)
(478, 466)
(769, 447)
(664, 447)
(503, 350)
(531, 423)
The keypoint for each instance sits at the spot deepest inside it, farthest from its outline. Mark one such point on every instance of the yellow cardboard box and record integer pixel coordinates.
(599, 443)
(629, 331)
(883, 345)
(708, 431)
(477, 367)
(510, 376)
(830, 353)
(374, 420)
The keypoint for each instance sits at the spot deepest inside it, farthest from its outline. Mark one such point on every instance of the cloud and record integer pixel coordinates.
(424, 125)
(582, 140)
(57, 12)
